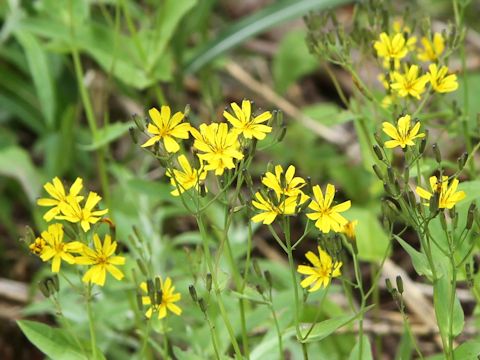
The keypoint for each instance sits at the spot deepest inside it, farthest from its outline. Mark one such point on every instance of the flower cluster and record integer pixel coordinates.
(159, 296)
(218, 146)
(397, 50)
(52, 246)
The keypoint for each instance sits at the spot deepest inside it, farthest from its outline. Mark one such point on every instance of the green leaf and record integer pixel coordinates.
(40, 72)
(51, 341)
(248, 27)
(292, 60)
(324, 328)
(473, 106)
(442, 303)
(249, 294)
(366, 353)
(328, 114)
(419, 260)
(171, 12)
(16, 163)
(372, 241)
(469, 350)
(108, 134)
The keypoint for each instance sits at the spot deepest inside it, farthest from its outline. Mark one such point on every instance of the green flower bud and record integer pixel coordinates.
(208, 282)
(399, 282)
(377, 172)
(378, 152)
(436, 152)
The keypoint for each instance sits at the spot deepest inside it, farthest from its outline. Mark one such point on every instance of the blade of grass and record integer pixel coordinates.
(254, 24)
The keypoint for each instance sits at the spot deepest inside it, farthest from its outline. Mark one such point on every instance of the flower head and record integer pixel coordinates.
(37, 246)
(73, 212)
(400, 28)
(285, 184)
(187, 177)
(101, 259)
(322, 271)
(218, 145)
(58, 195)
(391, 48)
(244, 123)
(167, 299)
(403, 134)
(167, 128)
(53, 247)
(432, 49)
(349, 229)
(441, 82)
(448, 196)
(326, 216)
(271, 209)
(409, 83)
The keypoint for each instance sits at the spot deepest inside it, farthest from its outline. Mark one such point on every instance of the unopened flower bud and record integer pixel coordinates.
(42, 286)
(378, 152)
(433, 205)
(256, 267)
(139, 302)
(399, 282)
(378, 139)
(423, 143)
(150, 289)
(193, 293)
(202, 305)
(461, 161)
(158, 297)
(282, 134)
(208, 282)
(139, 122)
(377, 172)
(388, 284)
(436, 152)
(406, 175)
(471, 216)
(133, 135)
(259, 288)
(391, 175)
(142, 266)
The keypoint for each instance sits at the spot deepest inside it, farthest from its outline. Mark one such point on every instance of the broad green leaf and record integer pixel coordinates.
(469, 350)
(327, 327)
(170, 13)
(366, 351)
(16, 163)
(248, 27)
(372, 241)
(471, 103)
(404, 349)
(292, 60)
(442, 304)
(51, 341)
(108, 134)
(17, 107)
(328, 114)
(40, 71)
(419, 260)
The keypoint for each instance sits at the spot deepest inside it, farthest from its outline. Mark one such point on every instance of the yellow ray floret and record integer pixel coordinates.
(432, 49)
(218, 147)
(167, 128)
(53, 247)
(101, 260)
(322, 271)
(58, 195)
(326, 216)
(402, 135)
(187, 177)
(440, 80)
(285, 184)
(244, 123)
(409, 83)
(270, 209)
(72, 211)
(167, 302)
(448, 195)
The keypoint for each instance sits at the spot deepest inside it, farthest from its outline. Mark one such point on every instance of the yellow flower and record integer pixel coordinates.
(285, 185)
(391, 47)
(448, 196)
(56, 190)
(272, 210)
(383, 80)
(167, 128)
(167, 301)
(409, 83)
(399, 28)
(403, 134)
(350, 228)
(440, 81)
(186, 178)
(387, 101)
(432, 49)
(73, 212)
(55, 249)
(37, 246)
(219, 146)
(101, 260)
(243, 122)
(322, 271)
(327, 217)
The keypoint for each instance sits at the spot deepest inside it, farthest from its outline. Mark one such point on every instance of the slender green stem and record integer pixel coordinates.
(146, 334)
(279, 333)
(91, 322)
(452, 307)
(358, 277)
(165, 337)
(286, 232)
(213, 334)
(223, 312)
